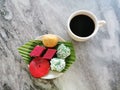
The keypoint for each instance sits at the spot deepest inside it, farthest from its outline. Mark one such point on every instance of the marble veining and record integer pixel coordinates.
(97, 66)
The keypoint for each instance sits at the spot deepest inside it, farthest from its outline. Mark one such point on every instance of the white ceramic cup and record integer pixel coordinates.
(89, 14)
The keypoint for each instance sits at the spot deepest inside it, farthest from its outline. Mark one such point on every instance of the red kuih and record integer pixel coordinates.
(37, 51)
(39, 67)
(49, 53)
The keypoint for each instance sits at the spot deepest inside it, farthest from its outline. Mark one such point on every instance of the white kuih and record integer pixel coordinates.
(63, 51)
(57, 64)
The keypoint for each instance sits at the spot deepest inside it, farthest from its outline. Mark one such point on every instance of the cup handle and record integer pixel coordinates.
(101, 23)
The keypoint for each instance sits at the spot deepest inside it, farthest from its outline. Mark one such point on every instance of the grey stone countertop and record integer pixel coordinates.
(97, 65)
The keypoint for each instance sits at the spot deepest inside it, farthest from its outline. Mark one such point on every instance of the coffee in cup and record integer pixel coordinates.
(83, 25)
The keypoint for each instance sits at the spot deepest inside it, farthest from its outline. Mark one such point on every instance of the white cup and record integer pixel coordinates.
(89, 14)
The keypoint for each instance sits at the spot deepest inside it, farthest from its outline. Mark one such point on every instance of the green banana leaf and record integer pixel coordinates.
(25, 50)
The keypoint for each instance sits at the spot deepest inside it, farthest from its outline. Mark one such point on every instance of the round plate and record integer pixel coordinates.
(51, 74)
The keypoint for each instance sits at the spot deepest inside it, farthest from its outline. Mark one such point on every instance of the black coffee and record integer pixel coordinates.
(82, 25)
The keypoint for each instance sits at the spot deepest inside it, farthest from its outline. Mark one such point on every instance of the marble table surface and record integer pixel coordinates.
(97, 65)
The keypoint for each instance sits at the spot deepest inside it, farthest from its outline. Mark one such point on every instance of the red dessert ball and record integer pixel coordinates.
(39, 67)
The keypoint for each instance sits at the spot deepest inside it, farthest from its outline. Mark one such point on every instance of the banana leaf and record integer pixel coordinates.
(25, 50)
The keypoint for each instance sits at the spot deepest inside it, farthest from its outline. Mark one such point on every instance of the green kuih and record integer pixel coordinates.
(57, 64)
(63, 51)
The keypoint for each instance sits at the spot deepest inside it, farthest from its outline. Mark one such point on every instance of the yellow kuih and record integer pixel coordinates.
(50, 40)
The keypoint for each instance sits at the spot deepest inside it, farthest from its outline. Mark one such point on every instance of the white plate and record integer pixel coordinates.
(51, 74)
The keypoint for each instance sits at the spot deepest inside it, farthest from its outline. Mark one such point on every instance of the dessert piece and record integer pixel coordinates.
(37, 51)
(57, 64)
(49, 54)
(50, 40)
(39, 67)
(63, 51)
